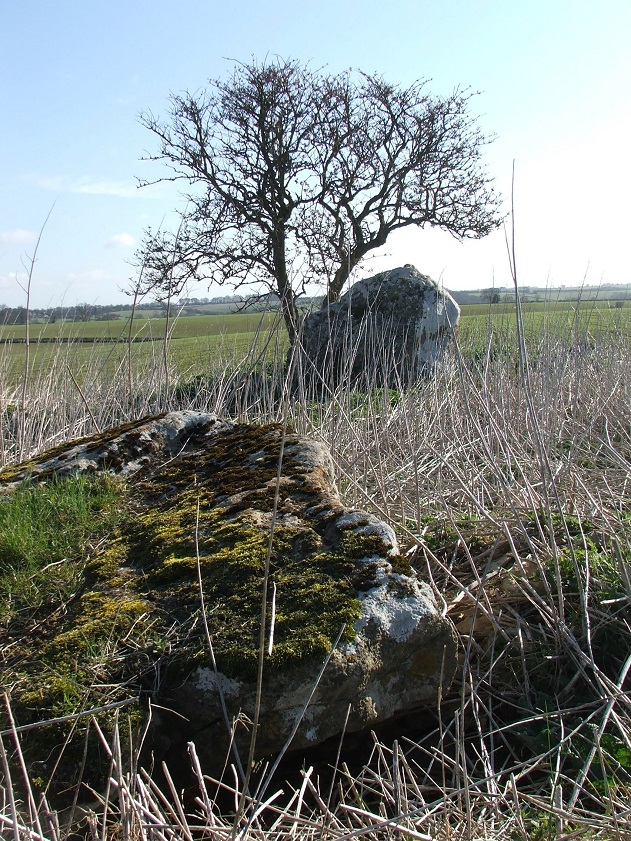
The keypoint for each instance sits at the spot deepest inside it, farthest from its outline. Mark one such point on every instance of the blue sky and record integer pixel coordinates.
(553, 78)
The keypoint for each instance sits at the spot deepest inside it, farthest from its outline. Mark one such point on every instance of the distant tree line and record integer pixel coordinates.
(51, 315)
(615, 293)
(109, 312)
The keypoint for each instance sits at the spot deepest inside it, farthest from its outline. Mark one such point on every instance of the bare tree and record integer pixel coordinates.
(83, 312)
(490, 296)
(394, 157)
(297, 175)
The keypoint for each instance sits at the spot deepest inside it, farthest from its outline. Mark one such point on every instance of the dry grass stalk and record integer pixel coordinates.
(522, 538)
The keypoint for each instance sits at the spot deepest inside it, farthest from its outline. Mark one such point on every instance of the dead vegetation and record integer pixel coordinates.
(507, 478)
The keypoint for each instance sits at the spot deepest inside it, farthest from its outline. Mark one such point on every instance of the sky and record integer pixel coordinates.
(553, 80)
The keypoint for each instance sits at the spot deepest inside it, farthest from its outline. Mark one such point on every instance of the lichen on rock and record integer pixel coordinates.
(389, 329)
(205, 504)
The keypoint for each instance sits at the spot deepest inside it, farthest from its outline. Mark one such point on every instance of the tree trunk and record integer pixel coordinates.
(349, 262)
(337, 284)
(284, 287)
(290, 314)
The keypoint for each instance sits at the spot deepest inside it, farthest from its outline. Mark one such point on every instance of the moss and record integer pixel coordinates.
(316, 585)
(136, 610)
(109, 565)
(144, 581)
(315, 595)
(98, 620)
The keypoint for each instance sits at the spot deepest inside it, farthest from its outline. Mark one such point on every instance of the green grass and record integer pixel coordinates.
(563, 320)
(200, 344)
(145, 328)
(591, 315)
(44, 534)
(543, 306)
(48, 534)
(197, 344)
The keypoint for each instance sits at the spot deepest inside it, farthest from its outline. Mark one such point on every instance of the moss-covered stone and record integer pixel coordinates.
(44, 465)
(137, 603)
(204, 503)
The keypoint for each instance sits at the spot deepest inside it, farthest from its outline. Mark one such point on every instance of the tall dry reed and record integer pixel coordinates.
(510, 494)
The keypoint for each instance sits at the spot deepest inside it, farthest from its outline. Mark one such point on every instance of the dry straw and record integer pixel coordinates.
(507, 475)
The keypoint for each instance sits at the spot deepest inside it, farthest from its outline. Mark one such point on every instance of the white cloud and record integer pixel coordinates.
(48, 182)
(86, 184)
(11, 280)
(120, 241)
(20, 236)
(89, 276)
(103, 188)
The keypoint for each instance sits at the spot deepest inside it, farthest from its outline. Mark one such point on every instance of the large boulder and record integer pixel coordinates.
(206, 502)
(389, 329)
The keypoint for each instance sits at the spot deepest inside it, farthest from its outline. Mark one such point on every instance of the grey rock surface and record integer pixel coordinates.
(397, 654)
(389, 329)
(402, 659)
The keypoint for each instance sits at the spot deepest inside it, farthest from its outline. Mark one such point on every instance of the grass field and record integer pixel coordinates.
(144, 328)
(193, 342)
(200, 344)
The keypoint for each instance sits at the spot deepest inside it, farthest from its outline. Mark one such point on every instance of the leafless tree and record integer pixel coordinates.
(491, 296)
(297, 175)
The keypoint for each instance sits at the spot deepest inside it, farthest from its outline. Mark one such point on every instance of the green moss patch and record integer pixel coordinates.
(117, 574)
(218, 489)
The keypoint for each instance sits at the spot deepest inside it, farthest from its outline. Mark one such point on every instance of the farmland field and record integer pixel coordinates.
(577, 323)
(144, 328)
(199, 344)
(195, 343)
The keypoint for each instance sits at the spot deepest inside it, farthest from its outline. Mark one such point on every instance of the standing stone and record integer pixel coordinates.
(389, 329)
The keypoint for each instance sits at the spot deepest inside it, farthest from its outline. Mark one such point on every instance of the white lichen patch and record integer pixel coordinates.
(257, 458)
(382, 568)
(207, 680)
(264, 519)
(311, 455)
(396, 616)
